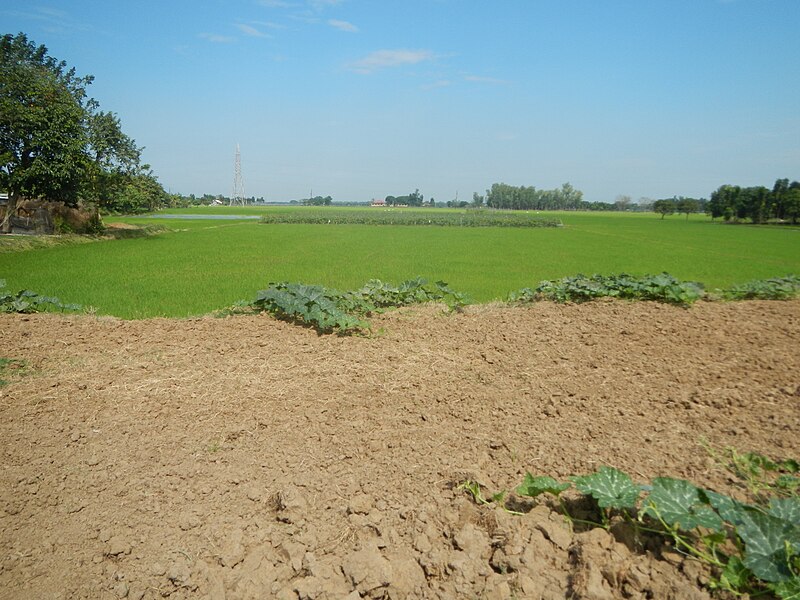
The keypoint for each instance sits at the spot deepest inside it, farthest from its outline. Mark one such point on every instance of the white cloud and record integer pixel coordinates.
(268, 24)
(381, 59)
(217, 39)
(478, 79)
(55, 20)
(437, 84)
(250, 30)
(342, 25)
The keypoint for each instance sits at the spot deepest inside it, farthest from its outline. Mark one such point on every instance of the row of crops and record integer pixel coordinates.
(474, 218)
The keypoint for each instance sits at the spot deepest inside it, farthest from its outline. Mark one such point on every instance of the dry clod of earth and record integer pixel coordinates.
(246, 458)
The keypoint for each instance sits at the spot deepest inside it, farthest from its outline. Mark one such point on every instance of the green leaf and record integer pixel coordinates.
(788, 590)
(735, 575)
(789, 483)
(787, 509)
(729, 509)
(755, 461)
(610, 487)
(499, 497)
(767, 539)
(790, 465)
(534, 486)
(680, 503)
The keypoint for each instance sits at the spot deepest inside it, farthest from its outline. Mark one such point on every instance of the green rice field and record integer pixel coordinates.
(203, 265)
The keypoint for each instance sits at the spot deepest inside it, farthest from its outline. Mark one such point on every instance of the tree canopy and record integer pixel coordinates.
(317, 201)
(55, 143)
(502, 195)
(412, 199)
(664, 207)
(757, 203)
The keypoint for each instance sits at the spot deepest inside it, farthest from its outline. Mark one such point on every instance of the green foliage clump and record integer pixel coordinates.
(581, 288)
(777, 288)
(313, 305)
(377, 294)
(328, 310)
(471, 218)
(751, 547)
(26, 301)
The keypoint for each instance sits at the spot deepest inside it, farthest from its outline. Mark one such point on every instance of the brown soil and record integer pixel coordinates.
(248, 458)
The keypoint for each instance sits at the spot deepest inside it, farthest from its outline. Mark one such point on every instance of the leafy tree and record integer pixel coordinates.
(42, 107)
(687, 206)
(725, 202)
(597, 206)
(141, 193)
(791, 203)
(317, 201)
(412, 199)
(664, 207)
(568, 196)
(415, 198)
(754, 203)
(477, 200)
(114, 161)
(506, 196)
(54, 143)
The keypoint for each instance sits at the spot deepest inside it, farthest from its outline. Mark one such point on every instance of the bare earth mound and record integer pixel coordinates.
(248, 458)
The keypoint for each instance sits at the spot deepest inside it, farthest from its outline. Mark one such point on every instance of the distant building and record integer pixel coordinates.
(378, 202)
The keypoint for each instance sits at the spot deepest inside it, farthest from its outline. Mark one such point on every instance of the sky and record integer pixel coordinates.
(360, 99)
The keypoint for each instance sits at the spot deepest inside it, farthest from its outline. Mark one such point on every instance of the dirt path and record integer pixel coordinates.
(248, 458)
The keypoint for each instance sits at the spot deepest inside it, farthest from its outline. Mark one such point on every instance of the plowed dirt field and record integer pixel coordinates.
(248, 458)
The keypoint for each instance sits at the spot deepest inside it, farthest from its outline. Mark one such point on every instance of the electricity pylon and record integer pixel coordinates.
(238, 184)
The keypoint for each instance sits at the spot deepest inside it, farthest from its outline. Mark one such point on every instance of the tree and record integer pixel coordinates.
(664, 207)
(570, 197)
(792, 203)
(114, 161)
(622, 202)
(42, 106)
(54, 143)
(754, 203)
(477, 200)
(725, 202)
(779, 193)
(686, 206)
(505, 196)
(317, 201)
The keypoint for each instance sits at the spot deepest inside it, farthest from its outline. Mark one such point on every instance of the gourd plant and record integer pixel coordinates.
(752, 547)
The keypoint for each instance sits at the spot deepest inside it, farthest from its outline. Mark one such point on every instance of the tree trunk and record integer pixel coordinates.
(11, 210)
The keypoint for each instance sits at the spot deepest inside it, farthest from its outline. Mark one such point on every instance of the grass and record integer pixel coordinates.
(206, 265)
(12, 367)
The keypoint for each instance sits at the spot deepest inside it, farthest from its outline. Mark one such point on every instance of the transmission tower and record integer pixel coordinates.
(238, 184)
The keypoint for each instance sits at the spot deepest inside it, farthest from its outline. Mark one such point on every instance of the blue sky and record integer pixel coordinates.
(363, 98)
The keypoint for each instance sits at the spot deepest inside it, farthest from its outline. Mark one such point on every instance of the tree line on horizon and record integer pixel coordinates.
(757, 203)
